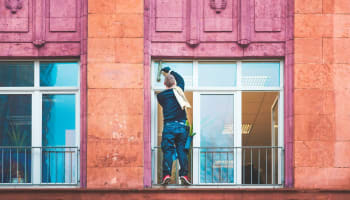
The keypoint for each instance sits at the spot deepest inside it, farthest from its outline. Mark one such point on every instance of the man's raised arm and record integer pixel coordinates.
(179, 80)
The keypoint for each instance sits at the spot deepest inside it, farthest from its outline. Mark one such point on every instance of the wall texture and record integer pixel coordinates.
(41, 28)
(322, 92)
(115, 94)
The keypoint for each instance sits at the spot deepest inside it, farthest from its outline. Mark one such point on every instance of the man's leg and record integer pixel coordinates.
(168, 151)
(181, 151)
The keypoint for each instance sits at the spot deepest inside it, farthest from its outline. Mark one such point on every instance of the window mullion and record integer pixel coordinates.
(77, 134)
(36, 74)
(36, 137)
(237, 120)
(239, 74)
(196, 139)
(195, 74)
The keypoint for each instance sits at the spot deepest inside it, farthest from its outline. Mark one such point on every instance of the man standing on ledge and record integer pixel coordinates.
(174, 131)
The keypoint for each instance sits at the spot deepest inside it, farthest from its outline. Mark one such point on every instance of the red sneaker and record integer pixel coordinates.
(165, 180)
(185, 180)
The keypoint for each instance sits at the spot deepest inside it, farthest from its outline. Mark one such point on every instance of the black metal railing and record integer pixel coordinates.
(39, 165)
(247, 165)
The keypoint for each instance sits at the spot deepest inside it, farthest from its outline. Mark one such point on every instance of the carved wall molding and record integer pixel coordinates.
(14, 5)
(218, 7)
(192, 38)
(244, 33)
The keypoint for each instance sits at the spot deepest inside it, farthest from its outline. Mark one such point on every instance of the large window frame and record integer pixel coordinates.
(237, 92)
(37, 93)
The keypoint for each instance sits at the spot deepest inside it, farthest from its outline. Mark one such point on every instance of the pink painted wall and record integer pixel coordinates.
(234, 28)
(221, 29)
(41, 28)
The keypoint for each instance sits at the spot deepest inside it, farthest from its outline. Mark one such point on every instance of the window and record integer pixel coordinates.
(39, 122)
(238, 117)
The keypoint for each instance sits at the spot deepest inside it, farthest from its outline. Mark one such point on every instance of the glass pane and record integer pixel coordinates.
(59, 133)
(261, 74)
(59, 74)
(185, 69)
(217, 74)
(216, 139)
(257, 114)
(15, 138)
(16, 74)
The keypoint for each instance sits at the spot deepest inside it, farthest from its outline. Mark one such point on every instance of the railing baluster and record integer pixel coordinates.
(205, 174)
(10, 166)
(227, 166)
(265, 165)
(251, 165)
(46, 155)
(25, 165)
(49, 168)
(272, 165)
(2, 165)
(259, 166)
(219, 169)
(55, 150)
(71, 166)
(234, 155)
(17, 164)
(212, 167)
(243, 166)
(64, 164)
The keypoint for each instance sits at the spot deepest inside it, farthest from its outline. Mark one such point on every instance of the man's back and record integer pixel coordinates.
(171, 108)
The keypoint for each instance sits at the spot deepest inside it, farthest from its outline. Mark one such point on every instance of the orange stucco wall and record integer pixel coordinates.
(115, 94)
(322, 93)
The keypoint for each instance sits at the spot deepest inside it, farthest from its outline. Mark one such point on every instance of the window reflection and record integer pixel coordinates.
(261, 74)
(16, 74)
(216, 138)
(183, 68)
(217, 74)
(58, 130)
(58, 74)
(15, 134)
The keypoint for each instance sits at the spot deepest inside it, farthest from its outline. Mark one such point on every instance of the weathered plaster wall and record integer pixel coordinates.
(322, 92)
(115, 94)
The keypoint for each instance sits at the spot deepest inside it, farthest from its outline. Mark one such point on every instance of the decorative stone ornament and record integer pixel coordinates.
(218, 5)
(14, 5)
(244, 43)
(39, 43)
(193, 43)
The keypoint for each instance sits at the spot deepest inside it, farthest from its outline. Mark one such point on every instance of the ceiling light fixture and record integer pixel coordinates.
(246, 128)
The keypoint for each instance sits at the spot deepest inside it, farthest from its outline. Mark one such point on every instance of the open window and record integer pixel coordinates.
(238, 117)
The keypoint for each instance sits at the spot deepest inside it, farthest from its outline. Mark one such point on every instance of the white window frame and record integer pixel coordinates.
(37, 91)
(237, 92)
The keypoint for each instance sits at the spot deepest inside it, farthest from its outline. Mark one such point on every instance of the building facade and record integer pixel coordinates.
(267, 80)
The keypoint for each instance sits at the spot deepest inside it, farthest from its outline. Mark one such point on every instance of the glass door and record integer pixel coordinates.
(214, 145)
